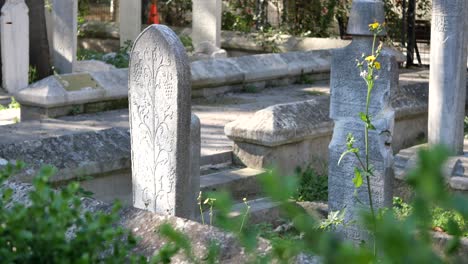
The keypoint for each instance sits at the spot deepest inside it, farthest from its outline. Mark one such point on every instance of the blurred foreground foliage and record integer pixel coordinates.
(52, 226)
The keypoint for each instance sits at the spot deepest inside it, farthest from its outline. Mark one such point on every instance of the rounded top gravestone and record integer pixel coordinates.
(160, 114)
(363, 13)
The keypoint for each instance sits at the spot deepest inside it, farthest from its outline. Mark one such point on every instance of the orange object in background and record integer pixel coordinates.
(153, 17)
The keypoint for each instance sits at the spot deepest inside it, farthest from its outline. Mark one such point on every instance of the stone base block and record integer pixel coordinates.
(30, 112)
(286, 158)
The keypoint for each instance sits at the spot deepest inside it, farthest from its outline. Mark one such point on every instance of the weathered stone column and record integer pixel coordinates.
(65, 27)
(129, 20)
(160, 118)
(206, 22)
(14, 29)
(348, 99)
(447, 84)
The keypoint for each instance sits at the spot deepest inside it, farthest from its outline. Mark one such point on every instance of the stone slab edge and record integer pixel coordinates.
(49, 92)
(215, 73)
(455, 169)
(259, 129)
(74, 155)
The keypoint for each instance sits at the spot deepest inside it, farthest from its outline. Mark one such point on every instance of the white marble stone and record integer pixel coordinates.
(206, 22)
(447, 84)
(64, 34)
(14, 28)
(129, 20)
(160, 117)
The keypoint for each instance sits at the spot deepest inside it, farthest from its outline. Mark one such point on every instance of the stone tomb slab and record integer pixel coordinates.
(74, 93)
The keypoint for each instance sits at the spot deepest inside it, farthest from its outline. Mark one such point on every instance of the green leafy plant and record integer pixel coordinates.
(250, 88)
(268, 39)
(305, 79)
(246, 213)
(298, 17)
(52, 227)
(120, 59)
(440, 217)
(187, 42)
(334, 219)
(239, 16)
(397, 240)
(32, 74)
(309, 18)
(369, 67)
(312, 186)
(37, 232)
(12, 105)
(175, 12)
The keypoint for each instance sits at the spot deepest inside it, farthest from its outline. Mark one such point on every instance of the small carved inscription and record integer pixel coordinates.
(441, 23)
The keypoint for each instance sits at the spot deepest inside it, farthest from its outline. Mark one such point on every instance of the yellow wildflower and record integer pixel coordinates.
(377, 65)
(370, 58)
(374, 26)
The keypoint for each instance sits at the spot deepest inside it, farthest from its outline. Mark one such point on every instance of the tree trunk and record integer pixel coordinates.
(39, 55)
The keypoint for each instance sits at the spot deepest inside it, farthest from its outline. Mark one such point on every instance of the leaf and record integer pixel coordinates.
(363, 117)
(353, 150)
(357, 178)
(343, 155)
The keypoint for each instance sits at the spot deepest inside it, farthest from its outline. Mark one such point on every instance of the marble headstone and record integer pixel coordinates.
(447, 84)
(160, 117)
(348, 99)
(206, 22)
(64, 34)
(14, 29)
(129, 20)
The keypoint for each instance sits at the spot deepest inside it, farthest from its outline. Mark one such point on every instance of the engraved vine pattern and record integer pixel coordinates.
(153, 120)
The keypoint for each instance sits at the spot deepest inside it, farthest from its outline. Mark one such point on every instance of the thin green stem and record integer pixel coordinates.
(199, 199)
(360, 161)
(202, 217)
(370, 86)
(211, 214)
(244, 218)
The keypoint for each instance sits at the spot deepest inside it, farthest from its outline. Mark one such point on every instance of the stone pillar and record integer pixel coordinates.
(194, 181)
(160, 117)
(275, 11)
(348, 99)
(129, 20)
(65, 27)
(206, 22)
(447, 84)
(14, 28)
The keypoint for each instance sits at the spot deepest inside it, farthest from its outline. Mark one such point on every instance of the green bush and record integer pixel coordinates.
(312, 186)
(441, 218)
(119, 60)
(53, 228)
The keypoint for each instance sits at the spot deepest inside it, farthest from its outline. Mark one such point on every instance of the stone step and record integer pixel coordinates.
(216, 168)
(224, 157)
(262, 210)
(455, 169)
(241, 183)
